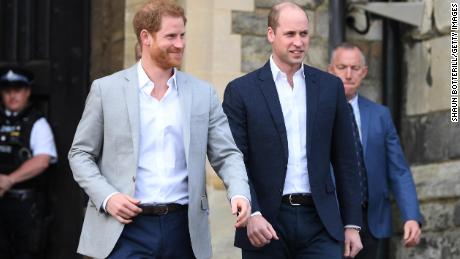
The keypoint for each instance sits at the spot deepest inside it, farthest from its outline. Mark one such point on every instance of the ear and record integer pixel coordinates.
(365, 70)
(28, 92)
(270, 35)
(145, 38)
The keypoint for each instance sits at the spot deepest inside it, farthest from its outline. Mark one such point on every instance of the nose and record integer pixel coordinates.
(298, 41)
(348, 72)
(179, 43)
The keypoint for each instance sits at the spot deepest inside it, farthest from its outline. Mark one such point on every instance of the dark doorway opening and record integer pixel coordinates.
(51, 38)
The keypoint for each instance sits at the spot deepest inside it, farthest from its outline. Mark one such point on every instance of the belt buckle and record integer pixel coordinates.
(163, 209)
(292, 203)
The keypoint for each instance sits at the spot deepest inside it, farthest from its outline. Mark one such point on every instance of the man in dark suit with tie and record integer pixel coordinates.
(291, 122)
(382, 166)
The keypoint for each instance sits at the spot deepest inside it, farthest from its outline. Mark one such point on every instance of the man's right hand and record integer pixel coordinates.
(260, 232)
(123, 207)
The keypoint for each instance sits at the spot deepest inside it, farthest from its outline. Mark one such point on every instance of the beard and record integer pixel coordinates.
(164, 60)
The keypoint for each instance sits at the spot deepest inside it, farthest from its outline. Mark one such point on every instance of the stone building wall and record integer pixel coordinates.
(107, 37)
(431, 141)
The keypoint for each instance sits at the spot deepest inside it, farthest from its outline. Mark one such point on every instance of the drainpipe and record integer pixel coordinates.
(392, 70)
(336, 24)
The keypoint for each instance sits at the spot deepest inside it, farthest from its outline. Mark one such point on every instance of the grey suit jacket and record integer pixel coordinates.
(104, 155)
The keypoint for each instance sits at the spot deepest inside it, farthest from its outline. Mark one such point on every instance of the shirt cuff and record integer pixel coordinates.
(104, 204)
(256, 213)
(353, 227)
(240, 196)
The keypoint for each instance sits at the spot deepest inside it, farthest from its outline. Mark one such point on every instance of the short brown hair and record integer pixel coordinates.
(274, 14)
(149, 16)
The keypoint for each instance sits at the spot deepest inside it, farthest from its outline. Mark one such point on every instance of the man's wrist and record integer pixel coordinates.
(355, 227)
(256, 213)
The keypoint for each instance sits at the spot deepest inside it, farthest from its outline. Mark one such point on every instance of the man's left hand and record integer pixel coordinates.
(241, 208)
(352, 243)
(5, 184)
(412, 233)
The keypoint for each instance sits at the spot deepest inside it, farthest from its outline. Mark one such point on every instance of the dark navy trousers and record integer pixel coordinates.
(155, 237)
(302, 236)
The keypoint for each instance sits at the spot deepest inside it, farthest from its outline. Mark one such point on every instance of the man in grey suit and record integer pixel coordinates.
(140, 148)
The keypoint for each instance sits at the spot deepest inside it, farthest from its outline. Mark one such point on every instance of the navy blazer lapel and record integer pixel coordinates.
(268, 88)
(312, 90)
(365, 117)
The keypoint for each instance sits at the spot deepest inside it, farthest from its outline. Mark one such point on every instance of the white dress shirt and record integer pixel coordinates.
(294, 106)
(162, 175)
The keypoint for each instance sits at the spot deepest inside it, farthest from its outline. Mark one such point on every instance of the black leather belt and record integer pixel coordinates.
(20, 194)
(161, 209)
(298, 199)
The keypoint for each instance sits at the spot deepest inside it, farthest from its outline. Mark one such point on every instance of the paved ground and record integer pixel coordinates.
(222, 226)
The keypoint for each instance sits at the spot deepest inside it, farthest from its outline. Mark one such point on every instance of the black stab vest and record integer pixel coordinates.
(15, 149)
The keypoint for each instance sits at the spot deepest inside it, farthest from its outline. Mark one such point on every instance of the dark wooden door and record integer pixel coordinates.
(51, 38)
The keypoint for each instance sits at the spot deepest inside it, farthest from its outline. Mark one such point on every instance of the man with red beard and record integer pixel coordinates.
(140, 149)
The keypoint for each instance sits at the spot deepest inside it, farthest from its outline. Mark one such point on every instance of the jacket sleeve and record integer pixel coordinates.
(234, 109)
(223, 154)
(344, 162)
(402, 183)
(86, 149)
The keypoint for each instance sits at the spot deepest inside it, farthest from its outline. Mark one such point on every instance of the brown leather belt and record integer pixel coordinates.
(161, 209)
(298, 199)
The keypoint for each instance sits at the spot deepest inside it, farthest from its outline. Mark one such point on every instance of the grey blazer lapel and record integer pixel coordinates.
(131, 93)
(185, 98)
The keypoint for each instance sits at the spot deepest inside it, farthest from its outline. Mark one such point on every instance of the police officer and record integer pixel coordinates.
(27, 149)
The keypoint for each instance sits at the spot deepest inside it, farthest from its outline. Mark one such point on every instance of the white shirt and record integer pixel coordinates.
(42, 140)
(162, 175)
(355, 106)
(294, 106)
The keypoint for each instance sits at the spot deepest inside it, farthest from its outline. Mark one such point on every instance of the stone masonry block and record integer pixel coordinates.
(425, 31)
(439, 215)
(442, 16)
(430, 138)
(433, 245)
(321, 23)
(317, 53)
(249, 23)
(437, 181)
(255, 52)
(417, 63)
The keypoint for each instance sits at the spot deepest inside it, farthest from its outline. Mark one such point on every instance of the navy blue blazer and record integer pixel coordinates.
(386, 169)
(254, 112)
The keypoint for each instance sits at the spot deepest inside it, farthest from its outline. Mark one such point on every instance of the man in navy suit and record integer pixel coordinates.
(291, 122)
(384, 167)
